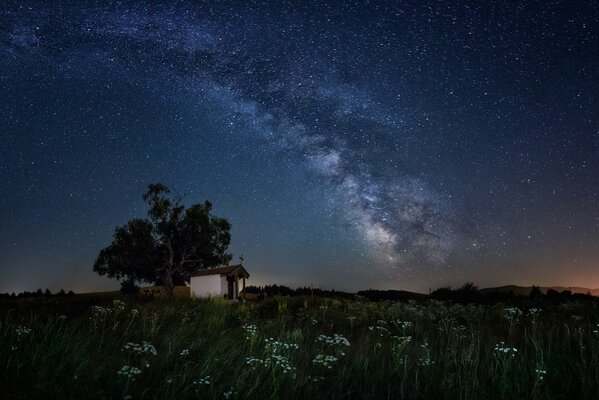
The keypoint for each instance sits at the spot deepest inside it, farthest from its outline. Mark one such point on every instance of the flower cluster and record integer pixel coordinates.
(129, 372)
(459, 330)
(250, 331)
(425, 355)
(381, 330)
(596, 330)
(283, 363)
(512, 313)
(143, 348)
(502, 349)
(533, 312)
(134, 312)
(275, 346)
(335, 340)
(401, 339)
(62, 317)
(254, 362)
(207, 380)
(274, 360)
(22, 332)
(229, 393)
(185, 316)
(425, 362)
(540, 374)
(184, 353)
(325, 360)
(99, 312)
(118, 305)
(402, 325)
(338, 343)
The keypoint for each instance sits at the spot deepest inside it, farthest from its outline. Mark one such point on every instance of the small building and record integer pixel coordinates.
(219, 282)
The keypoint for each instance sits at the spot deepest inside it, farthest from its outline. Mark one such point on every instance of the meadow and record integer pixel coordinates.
(296, 347)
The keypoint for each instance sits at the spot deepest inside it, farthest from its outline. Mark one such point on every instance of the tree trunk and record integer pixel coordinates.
(167, 281)
(168, 274)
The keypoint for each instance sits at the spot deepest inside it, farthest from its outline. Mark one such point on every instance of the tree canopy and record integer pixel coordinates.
(167, 246)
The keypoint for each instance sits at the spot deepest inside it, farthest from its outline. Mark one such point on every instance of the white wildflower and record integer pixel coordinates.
(325, 360)
(425, 362)
(22, 331)
(512, 312)
(250, 331)
(118, 305)
(129, 372)
(533, 312)
(540, 373)
(275, 346)
(99, 313)
(403, 325)
(143, 348)
(335, 340)
(207, 380)
(501, 349)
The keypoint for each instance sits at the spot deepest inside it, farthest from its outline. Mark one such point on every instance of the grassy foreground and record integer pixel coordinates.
(105, 348)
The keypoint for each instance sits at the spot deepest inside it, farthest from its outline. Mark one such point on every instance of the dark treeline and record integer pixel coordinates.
(468, 293)
(394, 295)
(281, 290)
(37, 293)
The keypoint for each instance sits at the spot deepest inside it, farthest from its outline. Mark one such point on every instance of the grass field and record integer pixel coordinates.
(102, 347)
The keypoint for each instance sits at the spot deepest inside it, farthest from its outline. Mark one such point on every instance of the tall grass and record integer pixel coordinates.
(298, 348)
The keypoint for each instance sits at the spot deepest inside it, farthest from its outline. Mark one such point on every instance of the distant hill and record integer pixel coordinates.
(372, 294)
(525, 290)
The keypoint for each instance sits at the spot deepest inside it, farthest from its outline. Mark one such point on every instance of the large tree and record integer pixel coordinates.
(167, 246)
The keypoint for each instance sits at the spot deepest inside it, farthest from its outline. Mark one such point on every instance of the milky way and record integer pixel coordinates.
(440, 142)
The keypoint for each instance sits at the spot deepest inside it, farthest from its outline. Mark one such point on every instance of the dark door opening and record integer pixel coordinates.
(230, 288)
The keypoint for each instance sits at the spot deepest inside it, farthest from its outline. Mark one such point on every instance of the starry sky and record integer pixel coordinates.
(403, 145)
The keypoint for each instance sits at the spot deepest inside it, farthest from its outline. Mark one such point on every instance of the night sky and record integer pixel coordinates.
(381, 144)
